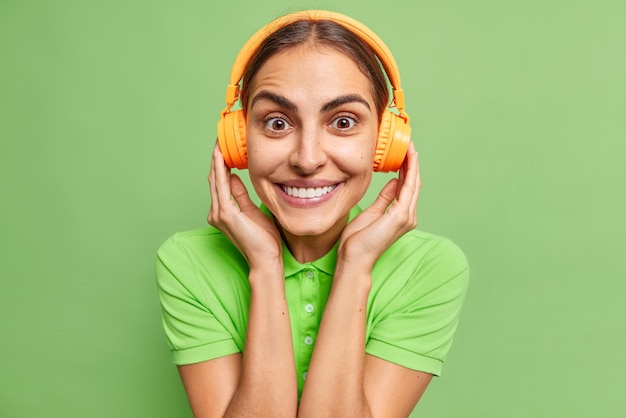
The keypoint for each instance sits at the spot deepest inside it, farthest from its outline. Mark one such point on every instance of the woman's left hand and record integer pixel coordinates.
(392, 214)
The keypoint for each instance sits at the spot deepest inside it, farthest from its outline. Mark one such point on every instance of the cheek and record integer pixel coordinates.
(357, 157)
(262, 158)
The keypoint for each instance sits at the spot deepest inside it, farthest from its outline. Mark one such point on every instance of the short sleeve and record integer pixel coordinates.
(416, 327)
(192, 330)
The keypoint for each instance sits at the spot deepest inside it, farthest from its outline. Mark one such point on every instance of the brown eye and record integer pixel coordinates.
(277, 124)
(344, 123)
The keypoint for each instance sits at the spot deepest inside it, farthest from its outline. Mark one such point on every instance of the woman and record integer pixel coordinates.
(243, 299)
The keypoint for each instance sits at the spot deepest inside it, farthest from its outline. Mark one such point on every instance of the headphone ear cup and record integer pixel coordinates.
(394, 136)
(231, 134)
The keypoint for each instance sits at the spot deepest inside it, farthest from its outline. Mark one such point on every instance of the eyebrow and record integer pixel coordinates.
(276, 98)
(289, 105)
(350, 98)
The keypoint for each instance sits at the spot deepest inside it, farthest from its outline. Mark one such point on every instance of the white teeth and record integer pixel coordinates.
(308, 192)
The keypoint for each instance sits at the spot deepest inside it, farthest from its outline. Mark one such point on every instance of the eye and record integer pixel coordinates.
(277, 124)
(344, 123)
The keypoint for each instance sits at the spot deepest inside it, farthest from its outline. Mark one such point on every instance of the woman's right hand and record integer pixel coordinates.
(252, 232)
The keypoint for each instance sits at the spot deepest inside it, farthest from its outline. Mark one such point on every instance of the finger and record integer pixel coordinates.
(404, 208)
(385, 197)
(240, 193)
(414, 163)
(222, 178)
(418, 181)
(409, 173)
(214, 209)
(402, 175)
(214, 156)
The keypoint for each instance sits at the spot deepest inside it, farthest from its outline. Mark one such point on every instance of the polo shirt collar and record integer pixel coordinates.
(326, 263)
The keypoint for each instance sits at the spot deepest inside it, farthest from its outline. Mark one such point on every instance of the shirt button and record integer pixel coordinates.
(304, 376)
(308, 340)
(309, 308)
(309, 274)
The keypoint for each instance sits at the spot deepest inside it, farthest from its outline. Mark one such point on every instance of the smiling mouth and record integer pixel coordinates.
(308, 192)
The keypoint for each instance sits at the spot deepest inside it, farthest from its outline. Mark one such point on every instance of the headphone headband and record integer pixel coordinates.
(361, 31)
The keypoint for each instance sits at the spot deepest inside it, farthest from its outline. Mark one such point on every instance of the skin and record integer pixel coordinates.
(311, 123)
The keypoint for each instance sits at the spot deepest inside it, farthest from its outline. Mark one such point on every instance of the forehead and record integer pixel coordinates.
(312, 70)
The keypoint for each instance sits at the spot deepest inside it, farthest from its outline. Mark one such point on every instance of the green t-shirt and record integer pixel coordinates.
(418, 287)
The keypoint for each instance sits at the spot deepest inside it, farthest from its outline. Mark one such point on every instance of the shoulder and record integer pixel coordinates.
(207, 243)
(420, 249)
(199, 254)
(193, 238)
(420, 262)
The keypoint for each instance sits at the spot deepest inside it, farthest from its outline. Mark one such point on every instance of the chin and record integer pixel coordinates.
(306, 228)
(303, 226)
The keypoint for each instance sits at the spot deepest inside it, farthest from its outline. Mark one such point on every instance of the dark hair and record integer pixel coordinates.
(322, 32)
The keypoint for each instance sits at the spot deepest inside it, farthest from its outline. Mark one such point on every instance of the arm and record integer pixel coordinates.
(341, 376)
(258, 382)
(261, 381)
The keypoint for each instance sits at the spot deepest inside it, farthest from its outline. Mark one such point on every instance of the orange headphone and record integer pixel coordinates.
(394, 133)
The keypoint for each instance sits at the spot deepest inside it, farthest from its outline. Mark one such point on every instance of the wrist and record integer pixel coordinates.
(267, 274)
(356, 278)
(353, 262)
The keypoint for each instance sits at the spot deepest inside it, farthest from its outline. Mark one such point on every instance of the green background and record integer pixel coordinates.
(107, 120)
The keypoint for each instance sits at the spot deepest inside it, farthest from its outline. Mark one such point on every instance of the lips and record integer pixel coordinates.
(308, 192)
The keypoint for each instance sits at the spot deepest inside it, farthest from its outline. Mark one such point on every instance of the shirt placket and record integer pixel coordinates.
(308, 317)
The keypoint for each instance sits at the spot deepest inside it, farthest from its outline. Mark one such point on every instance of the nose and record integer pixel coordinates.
(308, 153)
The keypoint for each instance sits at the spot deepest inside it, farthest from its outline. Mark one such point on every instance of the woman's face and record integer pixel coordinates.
(311, 127)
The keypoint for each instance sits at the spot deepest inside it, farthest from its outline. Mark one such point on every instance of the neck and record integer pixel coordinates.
(309, 248)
